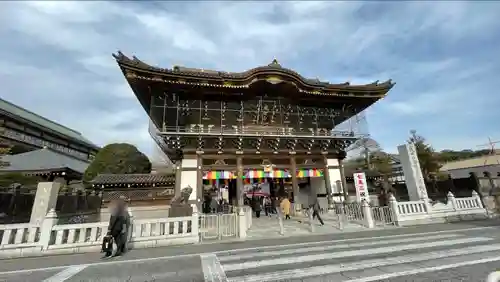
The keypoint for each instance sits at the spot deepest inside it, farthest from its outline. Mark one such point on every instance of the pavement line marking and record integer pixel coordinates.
(424, 270)
(351, 253)
(212, 269)
(353, 239)
(247, 249)
(299, 273)
(66, 274)
(333, 247)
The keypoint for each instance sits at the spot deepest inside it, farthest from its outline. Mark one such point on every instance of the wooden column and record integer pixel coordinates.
(239, 181)
(178, 172)
(199, 176)
(344, 182)
(328, 184)
(295, 184)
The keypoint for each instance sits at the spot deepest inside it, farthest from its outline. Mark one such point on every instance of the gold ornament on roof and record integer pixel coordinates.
(275, 63)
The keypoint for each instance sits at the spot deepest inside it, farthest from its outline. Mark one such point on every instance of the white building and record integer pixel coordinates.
(481, 166)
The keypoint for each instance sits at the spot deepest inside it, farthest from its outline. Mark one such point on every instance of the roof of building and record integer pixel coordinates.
(114, 179)
(474, 162)
(274, 71)
(17, 111)
(43, 160)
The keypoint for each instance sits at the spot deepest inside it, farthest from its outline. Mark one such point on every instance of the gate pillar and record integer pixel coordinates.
(239, 181)
(335, 175)
(189, 176)
(295, 184)
(328, 184)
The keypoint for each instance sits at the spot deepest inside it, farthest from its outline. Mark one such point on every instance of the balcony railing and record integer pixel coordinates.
(258, 131)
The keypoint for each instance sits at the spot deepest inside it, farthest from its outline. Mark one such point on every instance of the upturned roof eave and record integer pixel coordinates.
(135, 64)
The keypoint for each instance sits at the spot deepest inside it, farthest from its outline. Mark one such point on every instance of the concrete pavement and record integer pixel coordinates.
(439, 252)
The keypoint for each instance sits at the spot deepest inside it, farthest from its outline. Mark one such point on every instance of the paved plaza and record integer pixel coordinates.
(268, 227)
(439, 252)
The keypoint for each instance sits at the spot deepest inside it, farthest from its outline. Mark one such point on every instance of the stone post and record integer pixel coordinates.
(242, 224)
(195, 229)
(393, 204)
(46, 228)
(367, 214)
(45, 200)
(478, 199)
(452, 200)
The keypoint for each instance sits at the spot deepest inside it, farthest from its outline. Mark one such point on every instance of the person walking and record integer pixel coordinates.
(316, 209)
(117, 227)
(257, 206)
(128, 231)
(285, 207)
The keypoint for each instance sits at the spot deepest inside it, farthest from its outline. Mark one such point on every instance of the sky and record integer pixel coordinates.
(55, 59)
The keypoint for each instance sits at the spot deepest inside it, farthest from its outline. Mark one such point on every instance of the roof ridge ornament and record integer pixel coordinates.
(275, 64)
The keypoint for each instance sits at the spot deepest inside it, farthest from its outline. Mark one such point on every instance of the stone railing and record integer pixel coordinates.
(418, 212)
(14, 235)
(20, 240)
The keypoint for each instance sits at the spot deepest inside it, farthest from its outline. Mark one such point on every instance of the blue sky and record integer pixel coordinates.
(55, 59)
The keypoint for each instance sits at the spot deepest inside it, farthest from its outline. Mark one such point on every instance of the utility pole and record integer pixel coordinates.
(492, 153)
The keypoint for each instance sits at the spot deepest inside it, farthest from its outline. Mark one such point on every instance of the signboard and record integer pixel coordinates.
(361, 187)
(412, 173)
(417, 171)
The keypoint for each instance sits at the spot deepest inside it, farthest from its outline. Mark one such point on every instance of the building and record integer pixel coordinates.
(267, 127)
(27, 131)
(397, 169)
(481, 166)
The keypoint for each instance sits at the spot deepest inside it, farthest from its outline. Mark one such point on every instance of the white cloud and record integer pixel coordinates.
(440, 55)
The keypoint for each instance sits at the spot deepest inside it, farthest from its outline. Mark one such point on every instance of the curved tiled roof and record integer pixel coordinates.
(133, 179)
(209, 76)
(19, 112)
(43, 160)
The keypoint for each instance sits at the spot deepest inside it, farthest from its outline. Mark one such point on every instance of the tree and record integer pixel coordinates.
(450, 155)
(382, 163)
(428, 159)
(118, 158)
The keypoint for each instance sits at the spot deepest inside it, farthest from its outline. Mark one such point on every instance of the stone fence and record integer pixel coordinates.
(46, 237)
(424, 212)
(21, 240)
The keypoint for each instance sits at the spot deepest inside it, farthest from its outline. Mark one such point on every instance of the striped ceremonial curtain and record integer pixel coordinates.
(277, 173)
(255, 174)
(218, 174)
(302, 173)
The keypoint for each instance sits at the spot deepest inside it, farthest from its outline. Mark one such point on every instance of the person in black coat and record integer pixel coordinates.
(117, 227)
(316, 210)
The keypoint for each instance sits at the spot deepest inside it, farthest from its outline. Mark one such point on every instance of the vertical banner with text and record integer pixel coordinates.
(361, 187)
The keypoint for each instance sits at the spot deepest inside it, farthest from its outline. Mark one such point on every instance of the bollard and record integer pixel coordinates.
(280, 221)
(493, 277)
(311, 225)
